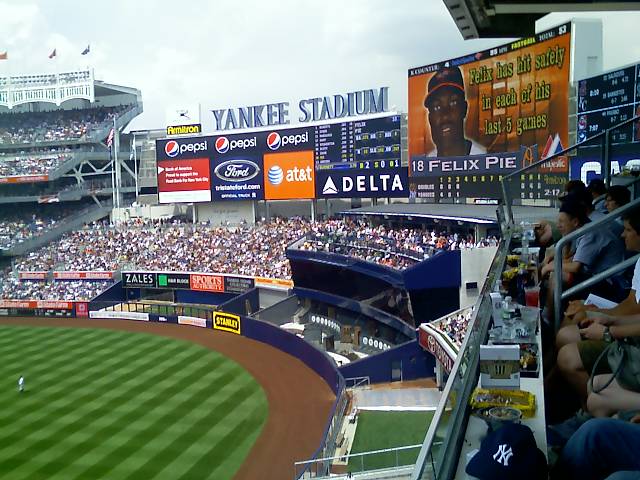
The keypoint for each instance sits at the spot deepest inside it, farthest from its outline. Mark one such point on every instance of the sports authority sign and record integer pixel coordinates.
(206, 283)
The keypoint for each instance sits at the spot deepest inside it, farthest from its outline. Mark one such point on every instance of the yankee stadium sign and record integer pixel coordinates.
(363, 102)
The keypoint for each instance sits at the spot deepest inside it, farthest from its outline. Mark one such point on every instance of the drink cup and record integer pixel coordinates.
(532, 296)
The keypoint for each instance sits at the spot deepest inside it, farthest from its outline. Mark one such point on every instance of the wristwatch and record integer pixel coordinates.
(606, 335)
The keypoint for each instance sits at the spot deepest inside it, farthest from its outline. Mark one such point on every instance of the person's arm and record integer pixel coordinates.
(595, 331)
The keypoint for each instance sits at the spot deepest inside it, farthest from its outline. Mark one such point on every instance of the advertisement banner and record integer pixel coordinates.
(238, 284)
(25, 179)
(205, 282)
(31, 304)
(274, 283)
(493, 101)
(111, 314)
(431, 343)
(174, 280)
(193, 321)
(236, 165)
(32, 275)
(82, 309)
(587, 165)
(226, 322)
(183, 148)
(289, 176)
(379, 183)
(139, 279)
(82, 275)
(184, 181)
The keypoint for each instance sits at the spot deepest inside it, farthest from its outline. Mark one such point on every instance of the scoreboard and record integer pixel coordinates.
(362, 144)
(606, 100)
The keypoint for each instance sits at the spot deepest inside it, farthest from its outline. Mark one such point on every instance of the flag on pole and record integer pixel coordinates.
(110, 138)
(4, 55)
(52, 54)
(86, 50)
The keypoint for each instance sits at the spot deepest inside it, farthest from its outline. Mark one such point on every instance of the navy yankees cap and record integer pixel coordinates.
(509, 452)
(446, 78)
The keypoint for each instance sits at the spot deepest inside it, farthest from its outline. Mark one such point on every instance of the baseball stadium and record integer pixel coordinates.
(446, 291)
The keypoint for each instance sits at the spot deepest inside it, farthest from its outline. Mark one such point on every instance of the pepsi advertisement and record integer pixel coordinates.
(237, 161)
(380, 183)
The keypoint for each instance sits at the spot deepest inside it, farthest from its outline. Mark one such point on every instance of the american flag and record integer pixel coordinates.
(110, 138)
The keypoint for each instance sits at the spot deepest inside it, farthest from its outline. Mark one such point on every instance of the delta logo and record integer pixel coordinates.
(224, 145)
(275, 140)
(172, 148)
(289, 175)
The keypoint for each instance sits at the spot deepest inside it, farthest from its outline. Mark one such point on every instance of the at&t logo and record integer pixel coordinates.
(223, 144)
(276, 175)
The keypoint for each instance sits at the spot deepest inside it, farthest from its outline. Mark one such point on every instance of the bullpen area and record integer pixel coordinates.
(137, 400)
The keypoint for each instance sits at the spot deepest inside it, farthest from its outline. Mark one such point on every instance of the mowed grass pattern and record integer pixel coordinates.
(379, 430)
(120, 405)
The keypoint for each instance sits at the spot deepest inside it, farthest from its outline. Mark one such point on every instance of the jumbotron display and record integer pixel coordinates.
(469, 116)
(358, 158)
(606, 100)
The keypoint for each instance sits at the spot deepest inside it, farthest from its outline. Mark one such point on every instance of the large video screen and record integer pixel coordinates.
(607, 100)
(489, 104)
(351, 159)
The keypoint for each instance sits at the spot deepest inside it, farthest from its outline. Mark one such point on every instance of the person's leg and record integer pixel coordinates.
(624, 475)
(600, 447)
(570, 366)
(612, 399)
(567, 335)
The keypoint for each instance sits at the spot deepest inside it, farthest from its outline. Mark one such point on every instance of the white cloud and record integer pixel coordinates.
(227, 53)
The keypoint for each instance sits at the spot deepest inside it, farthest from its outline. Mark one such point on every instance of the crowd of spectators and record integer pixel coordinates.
(58, 125)
(456, 325)
(17, 228)
(68, 290)
(32, 163)
(246, 250)
(396, 248)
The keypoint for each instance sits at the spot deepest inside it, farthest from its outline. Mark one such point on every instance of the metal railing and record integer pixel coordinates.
(558, 296)
(446, 431)
(393, 455)
(602, 138)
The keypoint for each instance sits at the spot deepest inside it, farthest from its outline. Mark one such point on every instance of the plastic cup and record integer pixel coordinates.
(532, 296)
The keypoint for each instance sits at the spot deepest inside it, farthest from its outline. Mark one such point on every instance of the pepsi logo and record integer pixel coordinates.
(222, 144)
(273, 140)
(171, 148)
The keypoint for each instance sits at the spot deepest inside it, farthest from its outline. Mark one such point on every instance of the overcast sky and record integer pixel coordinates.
(229, 53)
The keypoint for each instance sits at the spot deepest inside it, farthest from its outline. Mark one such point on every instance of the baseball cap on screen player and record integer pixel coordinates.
(446, 78)
(509, 453)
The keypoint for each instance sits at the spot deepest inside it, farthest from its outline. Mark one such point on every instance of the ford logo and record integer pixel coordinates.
(237, 170)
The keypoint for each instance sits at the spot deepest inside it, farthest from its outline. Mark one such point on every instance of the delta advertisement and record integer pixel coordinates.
(387, 182)
(493, 101)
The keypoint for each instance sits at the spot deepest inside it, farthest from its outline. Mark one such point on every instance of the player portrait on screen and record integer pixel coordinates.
(447, 107)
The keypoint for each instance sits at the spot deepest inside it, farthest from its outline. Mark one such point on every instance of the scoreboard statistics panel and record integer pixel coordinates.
(363, 144)
(606, 100)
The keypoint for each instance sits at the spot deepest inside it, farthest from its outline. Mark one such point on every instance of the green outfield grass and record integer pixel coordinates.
(379, 430)
(120, 405)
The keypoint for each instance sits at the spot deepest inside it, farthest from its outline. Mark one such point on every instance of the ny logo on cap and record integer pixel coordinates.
(503, 455)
